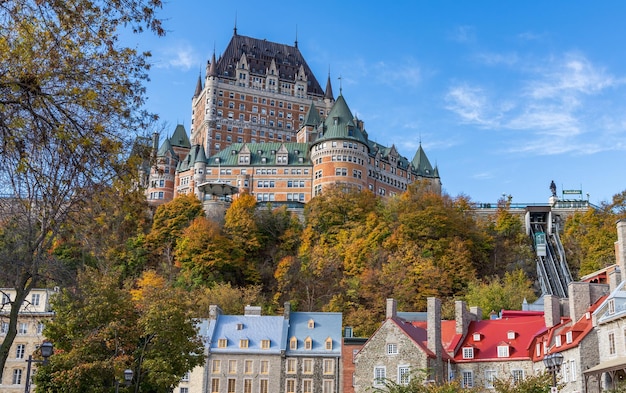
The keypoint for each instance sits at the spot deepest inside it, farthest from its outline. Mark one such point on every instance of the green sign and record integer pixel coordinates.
(570, 192)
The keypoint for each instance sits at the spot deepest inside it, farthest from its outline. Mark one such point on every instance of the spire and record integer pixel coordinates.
(198, 86)
(235, 28)
(296, 43)
(213, 66)
(329, 88)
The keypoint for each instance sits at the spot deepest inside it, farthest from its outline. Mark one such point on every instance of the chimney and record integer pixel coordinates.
(477, 313)
(461, 316)
(433, 332)
(551, 310)
(214, 311)
(579, 299)
(615, 276)
(287, 311)
(392, 308)
(621, 247)
(254, 311)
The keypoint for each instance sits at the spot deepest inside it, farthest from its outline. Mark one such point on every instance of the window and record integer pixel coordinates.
(4, 328)
(247, 385)
(215, 385)
(184, 390)
(517, 375)
(265, 367)
(265, 344)
(290, 386)
(392, 349)
(308, 343)
(380, 374)
(468, 379)
(23, 328)
(307, 386)
(490, 376)
(307, 366)
(216, 366)
(17, 376)
(247, 367)
(574, 371)
(291, 366)
(611, 343)
(20, 349)
(293, 343)
(557, 340)
(612, 306)
(329, 366)
(185, 377)
(6, 299)
(221, 343)
(232, 366)
(404, 375)
(232, 385)
(243, 343)
(568, 337)
(329, 344)
(328, 386)
(468, 353)
(510, 335)
(35, 299)
(503, 351)
(263, 387)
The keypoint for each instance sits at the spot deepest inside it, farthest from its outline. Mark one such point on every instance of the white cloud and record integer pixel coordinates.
(469, 102)
(463, 34)
(178, 56)
(493, 59)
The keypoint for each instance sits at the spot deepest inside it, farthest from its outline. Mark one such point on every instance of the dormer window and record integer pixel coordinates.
(222, 342)
(293, 343)
(568, 337)
(468, 353)
(612, 306)
(265, 344)
(243, 343)
(476, 336)
(503, 351)
(308, 343)
(557, 340)
(311, 324)
(329, 344)
(511, 335)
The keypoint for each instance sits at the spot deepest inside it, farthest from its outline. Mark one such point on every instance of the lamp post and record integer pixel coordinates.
(128, 378)
(46, 350)
(553, 363)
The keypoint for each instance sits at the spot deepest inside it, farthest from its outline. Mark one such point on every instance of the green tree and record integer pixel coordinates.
(102, 327)
(507, 293)
(70, 97)
(540, 383)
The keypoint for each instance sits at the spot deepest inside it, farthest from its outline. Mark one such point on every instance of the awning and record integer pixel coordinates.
(218, 189)
(608, 366)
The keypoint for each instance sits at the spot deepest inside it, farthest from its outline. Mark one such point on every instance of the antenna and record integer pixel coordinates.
(340, 83)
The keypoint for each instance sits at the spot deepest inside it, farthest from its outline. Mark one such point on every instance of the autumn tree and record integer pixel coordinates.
(103, 327)
(71, 98)
(168, 224)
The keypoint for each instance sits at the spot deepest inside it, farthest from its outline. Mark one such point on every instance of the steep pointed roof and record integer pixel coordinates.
(196, 154)
(212, 66)
(166, 147)
(312, 117)
(260, 54)
(180, 138)
(329, 89)
(339, 124)
(198, 90)
(422, 164)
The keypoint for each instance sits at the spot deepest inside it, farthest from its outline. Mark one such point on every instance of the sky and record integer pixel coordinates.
(504, 96)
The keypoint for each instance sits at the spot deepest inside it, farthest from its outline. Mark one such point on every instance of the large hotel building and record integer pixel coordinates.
(262, 124)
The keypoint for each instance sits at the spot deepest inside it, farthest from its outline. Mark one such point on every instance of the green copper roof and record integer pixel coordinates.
(340, 124)
(166, 147)
(196, 154)
(180, 138)
(421, 164)
(262, 154)
(312, 117)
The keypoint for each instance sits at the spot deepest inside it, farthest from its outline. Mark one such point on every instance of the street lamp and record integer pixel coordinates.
(128, 378)
(46, 350)
(553, 363)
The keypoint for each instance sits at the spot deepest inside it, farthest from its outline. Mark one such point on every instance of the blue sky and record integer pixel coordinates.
(504, 96)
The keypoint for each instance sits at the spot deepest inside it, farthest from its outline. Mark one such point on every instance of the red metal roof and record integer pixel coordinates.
(524, 325)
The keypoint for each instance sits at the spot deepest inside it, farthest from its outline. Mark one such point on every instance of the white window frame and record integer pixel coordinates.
(503, 351)
(380, 375)
(404, 374)
(392, 348)
(490, 376)
(468, 352)
(517, 375)
(467, 379)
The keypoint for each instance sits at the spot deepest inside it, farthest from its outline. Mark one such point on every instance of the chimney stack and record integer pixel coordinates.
(392, 308)
(433, 331)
